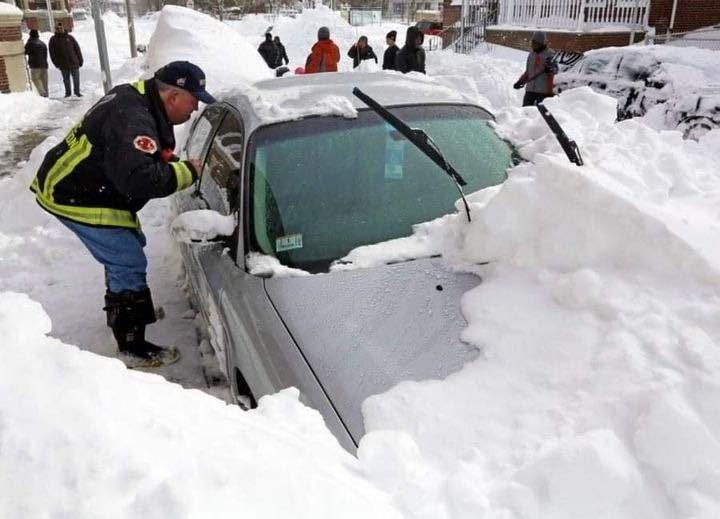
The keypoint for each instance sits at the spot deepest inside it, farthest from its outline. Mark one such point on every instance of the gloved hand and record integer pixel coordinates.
(518, 84)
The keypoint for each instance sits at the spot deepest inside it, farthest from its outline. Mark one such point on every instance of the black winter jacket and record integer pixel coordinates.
(389, 57)
(411, 57)
(269, 51)
(36, 51)
(124, 145)
(281, 54)
(65, 52)
(359, 55)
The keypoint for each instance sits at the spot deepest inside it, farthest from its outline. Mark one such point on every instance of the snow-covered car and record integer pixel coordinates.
(641, 78)
(309, 174)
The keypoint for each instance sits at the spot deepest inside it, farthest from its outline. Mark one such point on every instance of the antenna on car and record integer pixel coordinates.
(420, 139)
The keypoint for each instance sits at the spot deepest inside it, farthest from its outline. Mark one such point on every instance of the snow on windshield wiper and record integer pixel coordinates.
(568, 145)
(420, 139)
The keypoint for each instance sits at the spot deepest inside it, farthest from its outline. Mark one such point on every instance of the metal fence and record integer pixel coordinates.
(574, 14)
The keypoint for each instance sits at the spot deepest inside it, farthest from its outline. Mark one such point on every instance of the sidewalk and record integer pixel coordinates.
(38, 256)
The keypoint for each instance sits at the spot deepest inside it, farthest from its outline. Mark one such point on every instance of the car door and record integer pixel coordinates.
(248, 335)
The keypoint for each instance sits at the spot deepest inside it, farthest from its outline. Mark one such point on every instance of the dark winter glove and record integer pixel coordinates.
(518, 85)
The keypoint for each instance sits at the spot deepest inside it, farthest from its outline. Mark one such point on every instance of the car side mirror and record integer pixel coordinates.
(202, 226)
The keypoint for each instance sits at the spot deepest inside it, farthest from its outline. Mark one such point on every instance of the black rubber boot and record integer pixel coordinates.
(127, 314)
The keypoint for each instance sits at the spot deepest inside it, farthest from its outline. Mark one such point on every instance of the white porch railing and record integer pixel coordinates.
(579, 15)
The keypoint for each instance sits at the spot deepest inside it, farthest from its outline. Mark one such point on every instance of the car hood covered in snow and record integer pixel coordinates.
(364, 331)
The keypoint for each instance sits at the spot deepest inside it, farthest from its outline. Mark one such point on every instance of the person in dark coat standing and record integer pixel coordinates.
(391, 51)
(37, 52)
(361, 51)
(113, 162)
(269, 51)
(65, 55)
(412, 56)
(540, 69)
(281, 53)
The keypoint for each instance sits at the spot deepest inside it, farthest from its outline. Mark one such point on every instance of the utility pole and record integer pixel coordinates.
(51, 18)
(102, 45)
(131, 29)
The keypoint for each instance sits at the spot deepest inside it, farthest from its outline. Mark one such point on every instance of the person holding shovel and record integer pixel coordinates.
(540, 69)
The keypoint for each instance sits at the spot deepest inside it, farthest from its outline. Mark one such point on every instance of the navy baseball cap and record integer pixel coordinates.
(185, 75)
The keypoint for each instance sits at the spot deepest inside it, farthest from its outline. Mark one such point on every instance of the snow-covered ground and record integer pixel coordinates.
(596, 393)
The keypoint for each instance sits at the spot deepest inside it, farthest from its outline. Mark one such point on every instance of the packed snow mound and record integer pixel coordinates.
(121, 444)
(596, 392)
(184, 34)
(670, 86)
(201, 225)
(299, 33)
(9, 9)
(491, 77)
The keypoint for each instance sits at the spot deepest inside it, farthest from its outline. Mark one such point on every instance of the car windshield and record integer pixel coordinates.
(323, 186)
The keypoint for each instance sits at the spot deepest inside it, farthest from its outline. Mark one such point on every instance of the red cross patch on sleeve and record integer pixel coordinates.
(145, 144)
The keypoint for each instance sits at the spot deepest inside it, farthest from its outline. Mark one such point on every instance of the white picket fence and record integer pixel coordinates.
(574, 15)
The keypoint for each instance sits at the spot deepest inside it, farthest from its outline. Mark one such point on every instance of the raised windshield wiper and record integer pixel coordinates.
(420, 139)
(568, 145)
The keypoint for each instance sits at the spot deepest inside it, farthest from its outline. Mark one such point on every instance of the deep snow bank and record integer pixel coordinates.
(596, 393)
(226, 58)
(81, 436)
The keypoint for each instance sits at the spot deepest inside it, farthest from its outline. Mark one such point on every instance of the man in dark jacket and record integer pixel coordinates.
(37, 52)
(269, 51)
(412, 56)
(117, 158)
(65, 55)
(540, 69)
(281, 54)
(361, 51)
(391, 51)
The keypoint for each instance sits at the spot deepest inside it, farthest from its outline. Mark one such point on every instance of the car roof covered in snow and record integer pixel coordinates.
(330, 94)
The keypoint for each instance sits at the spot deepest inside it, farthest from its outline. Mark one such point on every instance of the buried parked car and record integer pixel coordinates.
(680, 86)
(308, 173)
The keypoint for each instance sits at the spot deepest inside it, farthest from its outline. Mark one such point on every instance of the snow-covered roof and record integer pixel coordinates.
(295, 97)
(9, 9)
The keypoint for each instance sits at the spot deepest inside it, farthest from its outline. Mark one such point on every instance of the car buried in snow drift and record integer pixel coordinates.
(307, 183)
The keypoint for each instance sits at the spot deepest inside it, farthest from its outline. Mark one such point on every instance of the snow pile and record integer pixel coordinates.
(671, 87)
(20, 112)
(225, 57)
(120, 443)
(201, 225)
(9, 9)
(299, 34)
(596, 391)
(492, 77)
(269, 266)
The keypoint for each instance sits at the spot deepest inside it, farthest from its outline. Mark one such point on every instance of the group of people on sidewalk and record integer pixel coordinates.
(325, 54)
(65, 54)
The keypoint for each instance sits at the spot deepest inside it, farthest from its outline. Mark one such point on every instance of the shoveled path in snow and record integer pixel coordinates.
(68, 282)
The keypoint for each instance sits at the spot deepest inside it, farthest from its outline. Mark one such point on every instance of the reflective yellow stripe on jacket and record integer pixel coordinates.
(78, 150)
(182, 174)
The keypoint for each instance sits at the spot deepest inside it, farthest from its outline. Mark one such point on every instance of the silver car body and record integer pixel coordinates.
(338, 337)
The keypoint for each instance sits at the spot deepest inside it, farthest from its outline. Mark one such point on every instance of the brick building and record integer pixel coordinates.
(13, 77)
(580, 25)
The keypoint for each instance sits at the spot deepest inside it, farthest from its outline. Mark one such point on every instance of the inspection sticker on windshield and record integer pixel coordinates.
(394, 156)
(288, 242)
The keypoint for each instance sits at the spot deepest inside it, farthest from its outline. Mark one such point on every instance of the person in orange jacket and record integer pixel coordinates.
(325, 54)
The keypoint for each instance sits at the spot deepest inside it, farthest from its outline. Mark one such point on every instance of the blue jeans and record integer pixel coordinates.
(119, 250)
(66, 73)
